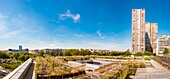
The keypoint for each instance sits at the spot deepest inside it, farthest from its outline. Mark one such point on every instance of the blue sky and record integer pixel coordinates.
(98, 24)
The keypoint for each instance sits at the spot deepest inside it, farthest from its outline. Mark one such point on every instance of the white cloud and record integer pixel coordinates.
(78, 35)
(3, 16)
(2, 22)
(68, 14)
(83, 35)
(100, 34)
(10, 34)
(2, 25)
(110, 46)
(55, 45)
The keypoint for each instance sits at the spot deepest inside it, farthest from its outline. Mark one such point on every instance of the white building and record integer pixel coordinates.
(163, 42)
(138, 30)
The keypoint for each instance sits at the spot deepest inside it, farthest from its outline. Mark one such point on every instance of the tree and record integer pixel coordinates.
(3, 55)
(26, 57)
(74, 52)
(67, 53)
(148, 53)
(21, 57)
(59, 53)
(85, 52)
(166, 51)
(127, 53)
(15, 55)
(41, 53)
(139, 54)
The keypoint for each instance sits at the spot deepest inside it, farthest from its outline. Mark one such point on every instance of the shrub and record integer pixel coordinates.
(166, 51)
(142, 65)
(139, 54)
(148, 53)
(147, 58)
(11, 66)
(3, 55)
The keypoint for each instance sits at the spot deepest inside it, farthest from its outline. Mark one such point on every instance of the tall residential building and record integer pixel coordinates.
(138, 30)
(148, 46)
(151, 35)
(144, 35)
(163, 42)
(20, 48)
(154, 36)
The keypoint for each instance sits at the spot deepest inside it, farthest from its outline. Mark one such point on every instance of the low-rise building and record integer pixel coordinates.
(19, 50)
(163, 42)
(34, 51)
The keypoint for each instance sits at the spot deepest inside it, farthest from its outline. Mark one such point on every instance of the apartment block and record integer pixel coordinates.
(151, 35)
(138, 30)
(144, 34)
(163, 42)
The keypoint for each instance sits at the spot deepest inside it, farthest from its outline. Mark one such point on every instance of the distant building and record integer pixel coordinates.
(138, 30)
(151, 35)
(53, 50)
(34, 51)
(26, 50)
(13, 50)
(20, 48)
(163, 42)
(144, 34)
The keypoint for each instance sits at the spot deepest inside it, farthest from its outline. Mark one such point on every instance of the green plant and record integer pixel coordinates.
(142, 65)
(123, 74)
(147, 58)
(127, 53)
(148, 53)
(166, 51)
(11, 66)
(139, 54)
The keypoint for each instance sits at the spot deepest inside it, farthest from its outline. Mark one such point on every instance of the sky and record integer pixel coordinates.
(96, 24)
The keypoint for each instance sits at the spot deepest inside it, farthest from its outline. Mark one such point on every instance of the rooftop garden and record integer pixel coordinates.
(105, 68)
(123, 72)
(52, 67)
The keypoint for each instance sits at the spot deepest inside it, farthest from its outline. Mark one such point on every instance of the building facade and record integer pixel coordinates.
(138, 30)
(154, 37)
(148, 46)
(163, 42)
(151, 35)
(20, 48)
(144, 34)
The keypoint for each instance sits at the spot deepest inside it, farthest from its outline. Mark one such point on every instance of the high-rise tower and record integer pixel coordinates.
(20, 48)
(151, 35)
(138, 30)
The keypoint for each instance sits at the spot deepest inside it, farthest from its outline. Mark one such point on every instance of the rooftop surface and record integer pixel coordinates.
(157, 72)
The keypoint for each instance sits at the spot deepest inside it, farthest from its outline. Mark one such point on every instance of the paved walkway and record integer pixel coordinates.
(30, 72)
(158, 72)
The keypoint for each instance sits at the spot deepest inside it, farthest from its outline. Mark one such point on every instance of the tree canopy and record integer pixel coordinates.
(4, 55)
(127, 52)
(139, 54)
(148, 53)
(166, 51)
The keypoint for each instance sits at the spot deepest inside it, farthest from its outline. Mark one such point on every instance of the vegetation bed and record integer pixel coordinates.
(52, 67)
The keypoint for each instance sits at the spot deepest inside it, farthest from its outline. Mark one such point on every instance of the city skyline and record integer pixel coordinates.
(73, 24)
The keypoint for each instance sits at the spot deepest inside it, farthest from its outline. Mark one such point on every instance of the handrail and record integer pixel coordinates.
(14, 72)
